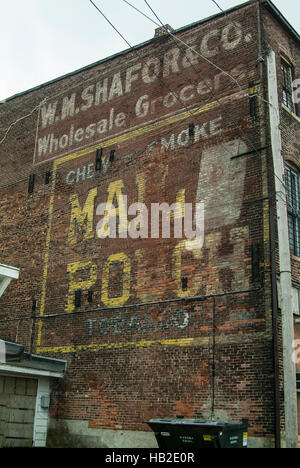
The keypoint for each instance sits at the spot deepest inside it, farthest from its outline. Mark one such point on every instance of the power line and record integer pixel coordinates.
(47, 99)
(184, 43)
(126, 42)
(53, 96)
(44, 101)
(20, 119)
(161, 80)
(187, 45)
(234, 23)
(172, 35)
(85, 81)
(177, 39)
(41, 174)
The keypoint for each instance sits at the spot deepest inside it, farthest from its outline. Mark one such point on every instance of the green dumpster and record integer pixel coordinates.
(199, 433)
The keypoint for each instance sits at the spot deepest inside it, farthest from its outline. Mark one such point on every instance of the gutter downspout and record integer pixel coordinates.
(289, 370)
(275, 325)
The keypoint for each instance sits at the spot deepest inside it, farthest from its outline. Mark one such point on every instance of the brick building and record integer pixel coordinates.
(152, 324)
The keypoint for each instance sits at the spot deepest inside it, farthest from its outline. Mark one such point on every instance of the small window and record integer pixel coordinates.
(287, 85)
(293, 208)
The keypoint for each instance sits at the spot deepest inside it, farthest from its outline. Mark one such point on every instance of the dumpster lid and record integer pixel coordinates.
(194, 422)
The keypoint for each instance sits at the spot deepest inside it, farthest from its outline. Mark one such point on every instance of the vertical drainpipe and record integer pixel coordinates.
(272, 244)
(289, 371)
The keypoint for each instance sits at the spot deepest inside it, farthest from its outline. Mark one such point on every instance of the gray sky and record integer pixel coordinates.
(44, 39)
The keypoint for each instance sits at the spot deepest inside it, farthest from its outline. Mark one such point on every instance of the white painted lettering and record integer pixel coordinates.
(78, 137)
(69, 180)
(120, 119)
(152, 63)
(90, 131)
(204, 48)
(215, 126)
(200, 132)
(185, 95)
(101, 94)
(231, 36)
(190, 58)
(48, 114)
(90, 171)
(183, 138)
(116, 88)
(142, 106)
(63, 141)
(53, 143)
(204, 87)
(81, 174)
(168, 144)
(43, 145)
(170, 99)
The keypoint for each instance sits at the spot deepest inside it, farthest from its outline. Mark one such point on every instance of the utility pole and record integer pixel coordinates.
(289, 370)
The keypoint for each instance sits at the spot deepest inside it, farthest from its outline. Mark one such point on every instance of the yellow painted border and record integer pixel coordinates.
(104, 144)
(131, 344)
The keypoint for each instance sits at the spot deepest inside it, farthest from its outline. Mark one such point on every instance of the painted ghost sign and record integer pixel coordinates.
(119, 269)
(130, 94)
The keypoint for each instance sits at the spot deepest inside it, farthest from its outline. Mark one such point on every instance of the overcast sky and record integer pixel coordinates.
(44, 39)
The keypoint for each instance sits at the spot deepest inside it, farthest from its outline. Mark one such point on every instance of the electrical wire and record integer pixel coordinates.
(169, 33)
(130, 306)
(187, 45)
(175, 38)
(44, 101)
(42, 171)
(50, 316)
(47, 98)
(122, 38)
(53, 96)
(67, 204)
(122, 35)
(20, 120)
(109, 22)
